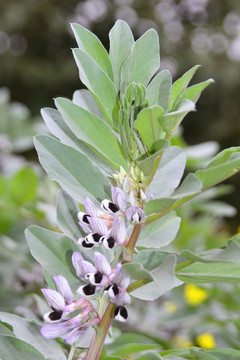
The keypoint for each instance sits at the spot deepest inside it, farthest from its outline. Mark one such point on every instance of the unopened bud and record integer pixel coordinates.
(122, 171)
(126, 184)
(132, 199)
(143, 196)
(142, 177)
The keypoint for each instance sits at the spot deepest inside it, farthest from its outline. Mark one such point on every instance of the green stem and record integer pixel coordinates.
(71, 353)
(98, 339)
(127, 256)
(137, 284)
(183, 265)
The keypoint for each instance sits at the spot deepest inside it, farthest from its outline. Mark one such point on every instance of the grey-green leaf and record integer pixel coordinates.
(121, 41)
(150, 259)
(158, 91)
(59, 128)
(76, 174)
(159, 205)
(169, 173)
(29, 332)
(89, 42)
(191, 185)
(160, 232)
(93, 131)
(146, 165)
(103, 90)
(150, 355)
(67, 210)
(200, 273)
(53, 251)
(230, 254)
(193, 92)
(164, 280)
(16, 349)
(136, 271)
(224, 165)
(85, 100)
(148, 125)
(180, 85)
(143, 61)
(172, 120)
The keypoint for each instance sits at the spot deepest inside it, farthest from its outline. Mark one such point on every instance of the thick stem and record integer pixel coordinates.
(98, 339)
(127, 256)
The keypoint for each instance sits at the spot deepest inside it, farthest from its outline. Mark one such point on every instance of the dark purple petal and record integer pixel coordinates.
(86, 290)
(53, 316)
(109, 207)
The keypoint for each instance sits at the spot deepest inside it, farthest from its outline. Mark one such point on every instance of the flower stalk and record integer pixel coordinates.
(98, 339)
(71, 353)
(127, 256)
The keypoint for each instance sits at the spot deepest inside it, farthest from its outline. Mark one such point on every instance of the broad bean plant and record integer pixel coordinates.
(122, 178)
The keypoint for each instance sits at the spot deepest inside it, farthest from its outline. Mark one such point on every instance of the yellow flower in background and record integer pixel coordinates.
(206, 341)
(182, 343)
(170, 306)
(194, 295)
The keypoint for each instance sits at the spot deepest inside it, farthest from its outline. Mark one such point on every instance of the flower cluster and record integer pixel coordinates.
(62, 305)
(107, 225)
(101, 276)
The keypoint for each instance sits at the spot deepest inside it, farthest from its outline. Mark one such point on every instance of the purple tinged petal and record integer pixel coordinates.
(73, 336)
(136, 214)
(89, 207)
(102, 264)
(121, 299)
(77, 263)
(87, 267)
(98, 226)
(118, 197)
(118, 231)
(52, 331)
(54, 299)
(63, 287)
(120, 278)
(86, 228)
(81, 266)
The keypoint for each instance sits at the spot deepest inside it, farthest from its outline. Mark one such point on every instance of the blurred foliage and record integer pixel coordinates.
(26, 197)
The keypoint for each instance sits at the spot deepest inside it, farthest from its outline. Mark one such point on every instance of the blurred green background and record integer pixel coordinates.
(37, 64)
